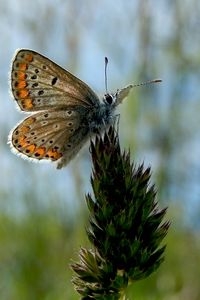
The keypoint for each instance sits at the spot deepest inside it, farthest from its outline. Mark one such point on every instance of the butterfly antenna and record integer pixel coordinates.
(106, 83)
(148, 82)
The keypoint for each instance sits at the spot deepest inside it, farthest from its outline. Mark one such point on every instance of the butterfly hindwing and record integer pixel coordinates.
(47, 135)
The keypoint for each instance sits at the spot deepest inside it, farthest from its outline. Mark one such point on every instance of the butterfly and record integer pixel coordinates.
(64, 111)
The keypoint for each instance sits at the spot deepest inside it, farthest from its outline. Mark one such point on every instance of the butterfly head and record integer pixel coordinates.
(112, 100)
(105, 112)
(109, 99)
(115, 99)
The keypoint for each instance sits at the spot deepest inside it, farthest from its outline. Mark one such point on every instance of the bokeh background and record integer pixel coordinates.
(43, 213)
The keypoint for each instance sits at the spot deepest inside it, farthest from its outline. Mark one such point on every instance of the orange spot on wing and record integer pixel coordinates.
(28, 57)
(29, 121)
(27, 103)
(53, 154)
(23, 93)
(21, 84)
(22, 66)
(21, 75)
(22, 143)
(40, 151)
(31, 148)
(24, 129)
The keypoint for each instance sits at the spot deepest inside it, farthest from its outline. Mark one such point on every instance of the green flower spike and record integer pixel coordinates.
(125, 228)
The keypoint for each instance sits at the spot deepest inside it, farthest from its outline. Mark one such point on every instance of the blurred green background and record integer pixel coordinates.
(43, 213)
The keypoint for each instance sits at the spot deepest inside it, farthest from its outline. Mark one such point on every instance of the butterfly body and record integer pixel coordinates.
(65, 112)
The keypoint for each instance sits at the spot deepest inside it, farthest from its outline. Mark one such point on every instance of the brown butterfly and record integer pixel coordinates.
(65, 112)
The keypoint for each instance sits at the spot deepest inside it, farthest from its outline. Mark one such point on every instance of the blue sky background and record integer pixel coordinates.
(160, 123)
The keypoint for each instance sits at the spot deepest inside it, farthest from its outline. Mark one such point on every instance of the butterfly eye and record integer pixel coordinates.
(108, 98)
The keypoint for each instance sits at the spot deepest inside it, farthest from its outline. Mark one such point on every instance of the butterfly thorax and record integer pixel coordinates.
(102, 114)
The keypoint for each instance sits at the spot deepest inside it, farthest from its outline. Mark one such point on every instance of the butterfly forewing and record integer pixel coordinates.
(38, 83)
